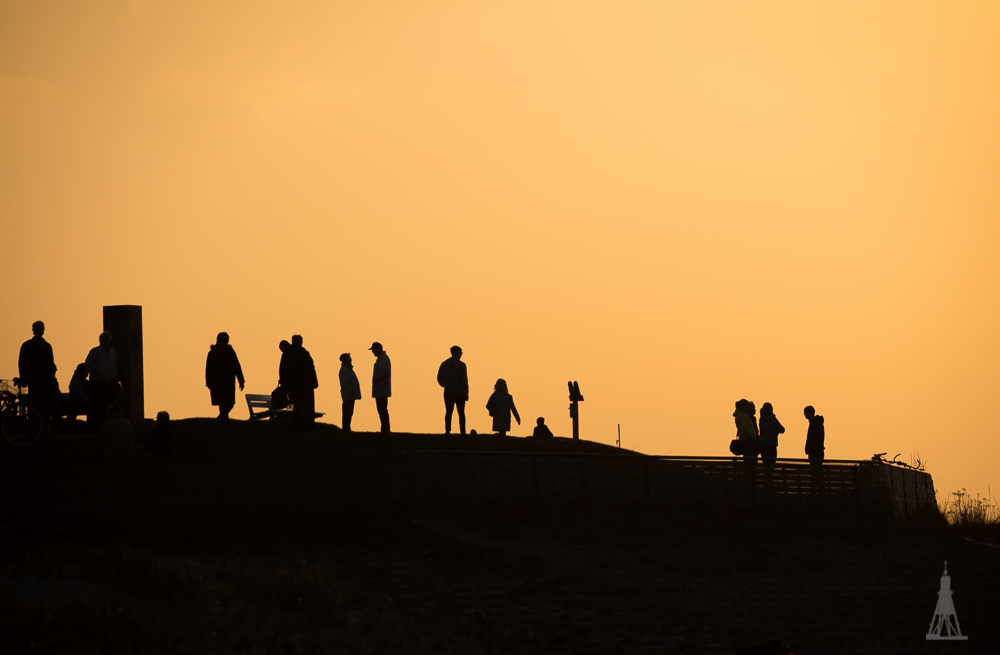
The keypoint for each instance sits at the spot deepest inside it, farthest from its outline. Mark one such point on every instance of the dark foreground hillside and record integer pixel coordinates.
(631, 583)
(402, 577)
(201, 437)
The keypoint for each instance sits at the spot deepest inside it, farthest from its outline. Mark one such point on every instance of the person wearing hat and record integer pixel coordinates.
(381, 384)
(350, 390)
(454, 377)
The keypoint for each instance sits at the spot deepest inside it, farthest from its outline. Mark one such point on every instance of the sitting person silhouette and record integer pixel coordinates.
(79, 389)
(160, 440)
(501, 406)
(116, 437)
(541, 430)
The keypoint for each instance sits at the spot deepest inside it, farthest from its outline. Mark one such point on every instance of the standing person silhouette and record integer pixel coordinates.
(298, 373)
(222, 371)
(382, 384)
(102, 364)
(770, 428)
(454, 377)
(501, 406)
(815, 447)
(746, 432)
(350, 389)
(36, 367)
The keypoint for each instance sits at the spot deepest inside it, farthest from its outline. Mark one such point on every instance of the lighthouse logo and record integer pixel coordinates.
(944, 625)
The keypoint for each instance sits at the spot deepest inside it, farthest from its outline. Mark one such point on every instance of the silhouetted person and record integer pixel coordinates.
(501, 406)
(752, 411)
(102, 364)
(454, 377)
(770, 428)
(746, 432)
(382, 384)
(350, 389)
(541, 430)
(160, 440)
(815, 446)
(79, 390)
(222, 372)
(36, 367)
(298, 375)
(116, 437)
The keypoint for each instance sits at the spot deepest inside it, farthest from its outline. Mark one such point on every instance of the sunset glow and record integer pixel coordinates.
(676, 204)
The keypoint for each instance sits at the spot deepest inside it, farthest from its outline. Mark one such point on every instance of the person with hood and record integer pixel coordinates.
(746, 432)
(222, 371)
(501, 406)
(350, 390)
(815, 445)
(454, 377)
(770, 428)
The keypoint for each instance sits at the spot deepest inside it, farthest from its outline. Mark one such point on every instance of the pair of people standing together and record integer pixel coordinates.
(350, 387)
(453, 376)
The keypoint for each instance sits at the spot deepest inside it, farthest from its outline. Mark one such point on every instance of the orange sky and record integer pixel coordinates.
(677, 204)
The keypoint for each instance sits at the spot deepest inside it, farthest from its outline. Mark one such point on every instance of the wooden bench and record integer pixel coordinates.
(261, 401)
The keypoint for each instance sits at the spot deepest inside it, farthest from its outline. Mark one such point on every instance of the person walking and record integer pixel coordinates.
(770, 428)
(102, 364)
(298, 375)
(454, 377)
(382, 384)
(36, 367)
(501, 406)
(746, 432)
(815, 447)
(350, 390)
(222, 371)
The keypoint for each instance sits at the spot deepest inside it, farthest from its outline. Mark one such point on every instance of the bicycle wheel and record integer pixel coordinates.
(21, 425)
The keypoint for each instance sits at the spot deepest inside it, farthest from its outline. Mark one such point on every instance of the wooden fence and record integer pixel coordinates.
(315, 484)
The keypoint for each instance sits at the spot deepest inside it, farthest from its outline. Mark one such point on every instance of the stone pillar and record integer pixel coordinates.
(124, 322)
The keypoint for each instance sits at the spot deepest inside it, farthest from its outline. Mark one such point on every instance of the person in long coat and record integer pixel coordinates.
(501, 406)
(298, 375)
(222, 371)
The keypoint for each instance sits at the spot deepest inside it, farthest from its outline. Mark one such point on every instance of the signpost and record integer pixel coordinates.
(575, 398)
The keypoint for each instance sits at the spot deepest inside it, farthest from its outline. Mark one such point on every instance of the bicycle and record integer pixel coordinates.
(20, 422)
